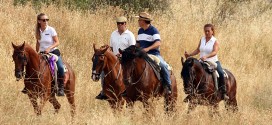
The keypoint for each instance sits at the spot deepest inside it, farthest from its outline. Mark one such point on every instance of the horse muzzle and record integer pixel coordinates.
(95, 76)
(19, 75)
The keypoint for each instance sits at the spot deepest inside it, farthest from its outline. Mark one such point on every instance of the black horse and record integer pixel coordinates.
(200, 87)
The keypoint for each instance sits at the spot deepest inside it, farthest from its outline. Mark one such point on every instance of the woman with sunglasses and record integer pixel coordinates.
(47, 42)
(208, 48)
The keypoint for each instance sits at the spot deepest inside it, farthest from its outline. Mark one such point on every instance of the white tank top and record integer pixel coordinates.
(207, 48)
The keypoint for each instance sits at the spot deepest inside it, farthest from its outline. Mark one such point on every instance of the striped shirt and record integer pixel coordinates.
(148, 37)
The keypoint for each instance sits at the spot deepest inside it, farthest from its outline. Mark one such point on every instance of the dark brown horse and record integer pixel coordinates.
(200, 87)
(141, 81)
(104, 60)
(38, 79)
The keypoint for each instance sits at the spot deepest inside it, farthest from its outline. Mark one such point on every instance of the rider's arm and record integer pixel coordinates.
(56, 43)
(196, 50)
(156, 45)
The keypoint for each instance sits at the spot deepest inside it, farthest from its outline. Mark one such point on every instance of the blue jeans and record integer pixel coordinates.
(164, 70)
(220, 70)
(60, 67)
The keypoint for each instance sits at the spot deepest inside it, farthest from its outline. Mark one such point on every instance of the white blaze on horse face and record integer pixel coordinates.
(93, 76)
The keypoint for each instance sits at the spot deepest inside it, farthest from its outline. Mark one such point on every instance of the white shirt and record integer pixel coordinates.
(207, 48)
(47, 38)
(122, 41)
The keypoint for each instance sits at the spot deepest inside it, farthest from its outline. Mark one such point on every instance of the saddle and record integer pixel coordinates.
(211, 68)
(154, 62)
(52, 61)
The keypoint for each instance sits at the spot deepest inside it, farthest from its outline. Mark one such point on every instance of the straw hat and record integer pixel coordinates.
(145, 16)
(121, 19)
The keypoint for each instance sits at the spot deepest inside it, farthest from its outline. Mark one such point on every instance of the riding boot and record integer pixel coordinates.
(101, 96)
(24, 90)
(60, 88)
(224, 89)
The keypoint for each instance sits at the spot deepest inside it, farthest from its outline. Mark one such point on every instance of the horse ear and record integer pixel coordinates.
(14, 46)
(22, 47)
(191, 62)
(94, 47)
(182, 60)
(120, 51)
(105, 49)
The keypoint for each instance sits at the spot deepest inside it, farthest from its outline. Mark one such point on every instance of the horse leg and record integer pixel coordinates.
(191, 107)
(33, 100)
(213, 110)
(55, 103)
(71, 99)
(44, 98)
(231, 104)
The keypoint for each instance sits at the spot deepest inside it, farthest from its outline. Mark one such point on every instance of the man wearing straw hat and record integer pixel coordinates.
(120, 38)
(149, 39)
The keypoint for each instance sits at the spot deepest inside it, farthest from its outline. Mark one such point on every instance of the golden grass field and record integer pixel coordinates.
(245, 38)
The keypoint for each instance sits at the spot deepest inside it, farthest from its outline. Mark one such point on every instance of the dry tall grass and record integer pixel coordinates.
(244, 35)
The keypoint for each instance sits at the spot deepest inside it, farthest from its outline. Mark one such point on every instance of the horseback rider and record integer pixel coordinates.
(120, 38)
(47, 42)
(208, 48)
(149, 40)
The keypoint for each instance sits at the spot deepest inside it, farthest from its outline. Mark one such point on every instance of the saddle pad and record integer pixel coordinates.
(157, 61)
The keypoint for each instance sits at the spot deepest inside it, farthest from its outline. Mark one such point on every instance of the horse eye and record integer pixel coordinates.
(102, 57)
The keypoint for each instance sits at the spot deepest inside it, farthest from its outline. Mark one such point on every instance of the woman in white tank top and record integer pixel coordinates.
(208, 48)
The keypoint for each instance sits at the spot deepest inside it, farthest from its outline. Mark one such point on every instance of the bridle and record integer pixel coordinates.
(103, 63)
(23, 60)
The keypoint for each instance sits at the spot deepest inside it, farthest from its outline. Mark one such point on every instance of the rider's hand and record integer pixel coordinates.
(203, 58)
(145, 50)
(47, 50)
(186, 55)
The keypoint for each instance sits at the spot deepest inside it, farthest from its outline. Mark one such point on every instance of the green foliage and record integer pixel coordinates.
(91, 5)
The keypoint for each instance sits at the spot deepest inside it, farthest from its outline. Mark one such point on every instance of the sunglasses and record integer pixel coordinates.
(44, 20)
(122, 23)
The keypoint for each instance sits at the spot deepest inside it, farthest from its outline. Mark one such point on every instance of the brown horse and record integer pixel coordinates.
(104, 60)
(141, 81)
(38, 79)
(200, 87)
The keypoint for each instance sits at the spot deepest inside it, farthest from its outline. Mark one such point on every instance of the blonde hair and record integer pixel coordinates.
(38, 26)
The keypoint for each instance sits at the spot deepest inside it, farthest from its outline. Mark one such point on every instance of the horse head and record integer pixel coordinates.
(99, 61)
(189, 72)
(20, 60)
(128, 61)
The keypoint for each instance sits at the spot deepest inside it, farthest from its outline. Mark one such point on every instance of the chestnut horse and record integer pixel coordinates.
(141, 81)
(38, 79)
(200, 87)
(104, 60)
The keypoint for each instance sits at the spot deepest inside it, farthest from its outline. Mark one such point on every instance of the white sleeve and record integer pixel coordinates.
(53, 31)
(132, 39)
(111, 44)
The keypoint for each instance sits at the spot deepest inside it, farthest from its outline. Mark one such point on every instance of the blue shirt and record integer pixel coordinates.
(148, 37)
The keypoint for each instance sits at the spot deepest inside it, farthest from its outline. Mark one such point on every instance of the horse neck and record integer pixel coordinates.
(33, 60)
(140, 67)
(111, 63)
(199, 72)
